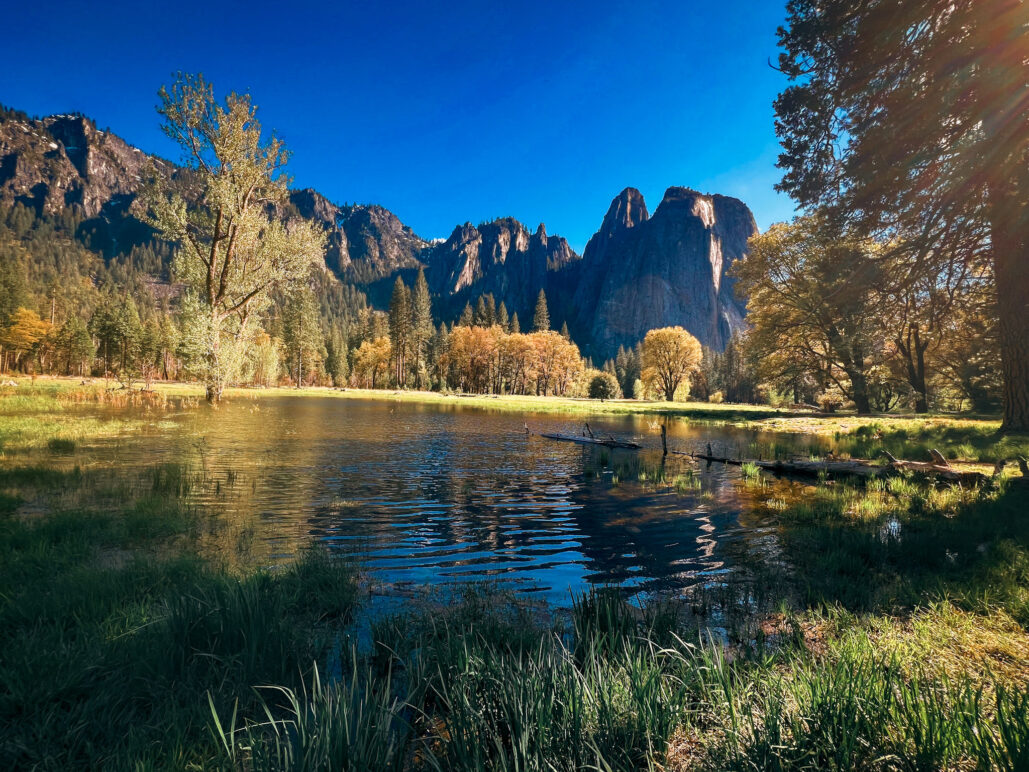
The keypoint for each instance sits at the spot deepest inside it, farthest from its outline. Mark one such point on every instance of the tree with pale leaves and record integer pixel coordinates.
(234, 249)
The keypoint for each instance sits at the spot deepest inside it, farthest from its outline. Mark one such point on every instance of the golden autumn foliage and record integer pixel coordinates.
(670, 355)
(23, 332)
(371, 361)
(488, 359)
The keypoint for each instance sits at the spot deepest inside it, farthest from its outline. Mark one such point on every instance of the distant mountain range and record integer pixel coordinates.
(636, 273)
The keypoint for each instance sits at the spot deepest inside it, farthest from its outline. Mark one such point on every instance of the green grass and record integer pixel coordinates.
(474, 688)
(888, 547)
(957, 440)
(113, 636)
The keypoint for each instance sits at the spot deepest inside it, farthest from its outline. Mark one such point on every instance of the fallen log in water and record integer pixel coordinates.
(856, 467)
(852, 468)
(610, 442)
(938, 468)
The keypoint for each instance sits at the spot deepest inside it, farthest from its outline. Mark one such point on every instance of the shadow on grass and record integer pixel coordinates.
(893, 547)
(913, 442)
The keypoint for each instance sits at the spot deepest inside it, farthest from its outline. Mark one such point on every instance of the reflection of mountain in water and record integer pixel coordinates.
(439, 493)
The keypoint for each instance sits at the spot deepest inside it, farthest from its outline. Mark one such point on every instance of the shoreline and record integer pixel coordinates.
(757, 417)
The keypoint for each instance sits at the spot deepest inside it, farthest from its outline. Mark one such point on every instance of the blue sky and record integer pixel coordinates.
(444, 112)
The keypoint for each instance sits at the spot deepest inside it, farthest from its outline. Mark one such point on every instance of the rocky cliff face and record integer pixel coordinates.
(64, 160)
(498, 257)
(366, 243)
(670, 269)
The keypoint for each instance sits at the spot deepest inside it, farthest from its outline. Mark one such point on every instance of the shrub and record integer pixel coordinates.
(604, 386)
(830, 401)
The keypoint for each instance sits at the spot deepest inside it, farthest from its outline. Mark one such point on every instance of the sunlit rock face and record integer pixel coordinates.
(365, 242)
(641, 272)
(63, 161)
(498, 257)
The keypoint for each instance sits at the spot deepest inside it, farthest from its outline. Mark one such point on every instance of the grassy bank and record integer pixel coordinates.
(114, 634)
(122, 650)
(889, 630)
(957, 437)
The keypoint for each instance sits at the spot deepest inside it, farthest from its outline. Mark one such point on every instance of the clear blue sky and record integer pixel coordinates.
(444, 112)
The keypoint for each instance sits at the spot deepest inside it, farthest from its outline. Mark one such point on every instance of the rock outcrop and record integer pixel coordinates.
(64, 161)
(498, 257)
(366, 243)
(669, 269)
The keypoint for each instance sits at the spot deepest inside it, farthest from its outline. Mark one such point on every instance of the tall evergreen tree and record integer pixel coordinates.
(502, 317)
(421, 326)
(515, 326)
(127, 332)
(13, 289)
(541, 317)
(337, 361)
(301, 334)
(481, 315)
(491, 311)
(74, 345)
(102, 326)
(400, 322)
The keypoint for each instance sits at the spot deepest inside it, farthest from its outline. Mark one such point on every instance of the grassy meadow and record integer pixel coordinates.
(891, 631)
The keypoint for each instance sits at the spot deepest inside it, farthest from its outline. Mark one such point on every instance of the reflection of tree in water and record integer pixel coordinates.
(423, 493)
(534, 512)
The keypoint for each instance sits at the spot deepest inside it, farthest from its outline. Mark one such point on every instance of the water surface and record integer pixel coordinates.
(430, 494)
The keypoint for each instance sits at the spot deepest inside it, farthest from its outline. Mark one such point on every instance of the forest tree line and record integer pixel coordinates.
(64, 310)
(818, 325)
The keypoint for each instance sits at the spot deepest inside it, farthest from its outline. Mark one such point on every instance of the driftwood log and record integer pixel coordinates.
(866, 469)
(609, 442)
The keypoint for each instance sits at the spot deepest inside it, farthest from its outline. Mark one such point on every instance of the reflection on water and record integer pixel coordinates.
(432, 494)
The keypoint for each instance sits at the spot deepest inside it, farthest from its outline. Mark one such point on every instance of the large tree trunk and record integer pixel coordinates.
(1010, 240)
(859, 387)
(214, 379)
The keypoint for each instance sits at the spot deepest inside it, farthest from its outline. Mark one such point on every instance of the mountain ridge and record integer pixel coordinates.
(638, 271)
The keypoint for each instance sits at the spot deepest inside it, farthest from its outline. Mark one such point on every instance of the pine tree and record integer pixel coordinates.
(400, 329)
(515, 326)
(301, 334)
(102, 327)
(13, 290)
(481, 313)
(148, 350)
(541, 317)
(337, 363)
(127, 330)
(421, 325)
(564, 331)
(74, 344)
(467, 317)
(627, 368)
(502, 318)
(491, 311)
